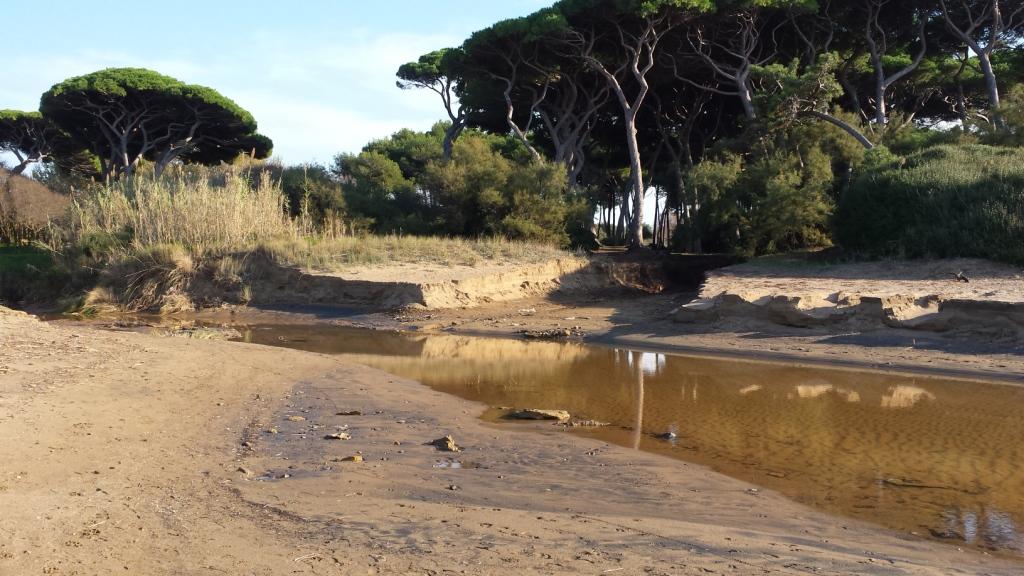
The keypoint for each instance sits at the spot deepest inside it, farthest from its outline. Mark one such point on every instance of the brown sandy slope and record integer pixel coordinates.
(979, 332)
(121, 455)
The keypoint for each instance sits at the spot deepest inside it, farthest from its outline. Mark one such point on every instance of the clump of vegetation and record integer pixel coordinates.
(490, 186)
(341, 252)
(30, 272)
(212, 213)
(943, 201)
(207, 212)
(27, 209)
(778, 197)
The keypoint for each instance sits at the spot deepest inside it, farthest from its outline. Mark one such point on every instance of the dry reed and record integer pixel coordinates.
(222, 212)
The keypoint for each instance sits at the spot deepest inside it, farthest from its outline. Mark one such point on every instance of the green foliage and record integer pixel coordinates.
(945, 201)
(469, 188)
(430, 69)
(777, 199)
(1011, 112)
(411, 150)
(490, 187)
(538, 209)
(375, 189)
(313, 194)
(778, 203)
(31, 138)
(16, 129)
(791, 202)
(29, 272)
(103, 112)
(908, 139)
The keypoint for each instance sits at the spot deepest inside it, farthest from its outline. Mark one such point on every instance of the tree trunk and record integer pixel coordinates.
(636, 229)
(450, 135)
(991, 86)
(17, 170)
(846, 127)
(743, 88)
(657, 217)
(881, 114)
(620, 226)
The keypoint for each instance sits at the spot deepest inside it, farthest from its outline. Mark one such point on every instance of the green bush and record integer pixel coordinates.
(776, 203)
(29, 273)
(403, 185)
(944, 201)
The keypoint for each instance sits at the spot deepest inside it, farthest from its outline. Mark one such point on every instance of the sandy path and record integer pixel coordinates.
(122, 451)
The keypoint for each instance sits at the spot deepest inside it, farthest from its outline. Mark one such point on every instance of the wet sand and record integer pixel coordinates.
(924, 456)
(124, 453)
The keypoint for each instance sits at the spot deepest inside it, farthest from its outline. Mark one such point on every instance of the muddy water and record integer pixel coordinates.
(937, 458)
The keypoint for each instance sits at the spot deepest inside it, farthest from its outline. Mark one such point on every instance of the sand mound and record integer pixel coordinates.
(922, 295)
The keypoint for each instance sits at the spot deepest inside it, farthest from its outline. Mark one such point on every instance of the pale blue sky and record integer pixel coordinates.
(318, 75)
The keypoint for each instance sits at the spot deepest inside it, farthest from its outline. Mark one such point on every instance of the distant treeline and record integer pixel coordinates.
(757, 125)
(747, 118)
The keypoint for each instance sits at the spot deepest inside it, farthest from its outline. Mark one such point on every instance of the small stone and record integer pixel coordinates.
(245, 470)
(356, 458)
(338, 436)
(350, 413)
(296, 418)
(446, 444)
(668, 436)
(272, 431)
(453, 487)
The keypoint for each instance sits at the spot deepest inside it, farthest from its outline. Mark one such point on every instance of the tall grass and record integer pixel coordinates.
(199, 213)
(340, 252)
(225, 211)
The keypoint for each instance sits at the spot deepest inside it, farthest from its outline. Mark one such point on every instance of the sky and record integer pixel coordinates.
(318, 75)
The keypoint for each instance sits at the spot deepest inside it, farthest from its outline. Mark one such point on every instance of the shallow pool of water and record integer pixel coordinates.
(938, 458)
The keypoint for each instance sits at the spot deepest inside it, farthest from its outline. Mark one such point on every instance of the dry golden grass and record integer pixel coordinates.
(27, 208)
(344, 252)
(198, 214)
(220, 216)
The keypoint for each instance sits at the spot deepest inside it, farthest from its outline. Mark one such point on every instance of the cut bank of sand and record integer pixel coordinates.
(923, 319)
(122, 455)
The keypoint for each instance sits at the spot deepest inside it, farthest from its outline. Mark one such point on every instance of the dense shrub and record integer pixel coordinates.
(753, 205)
(490, 187)
(313, 193)
(29, 273)
(944, 201)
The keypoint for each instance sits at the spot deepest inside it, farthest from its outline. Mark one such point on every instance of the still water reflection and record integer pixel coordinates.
(939, 458)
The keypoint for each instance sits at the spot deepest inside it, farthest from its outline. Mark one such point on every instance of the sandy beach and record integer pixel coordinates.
(139, 454)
